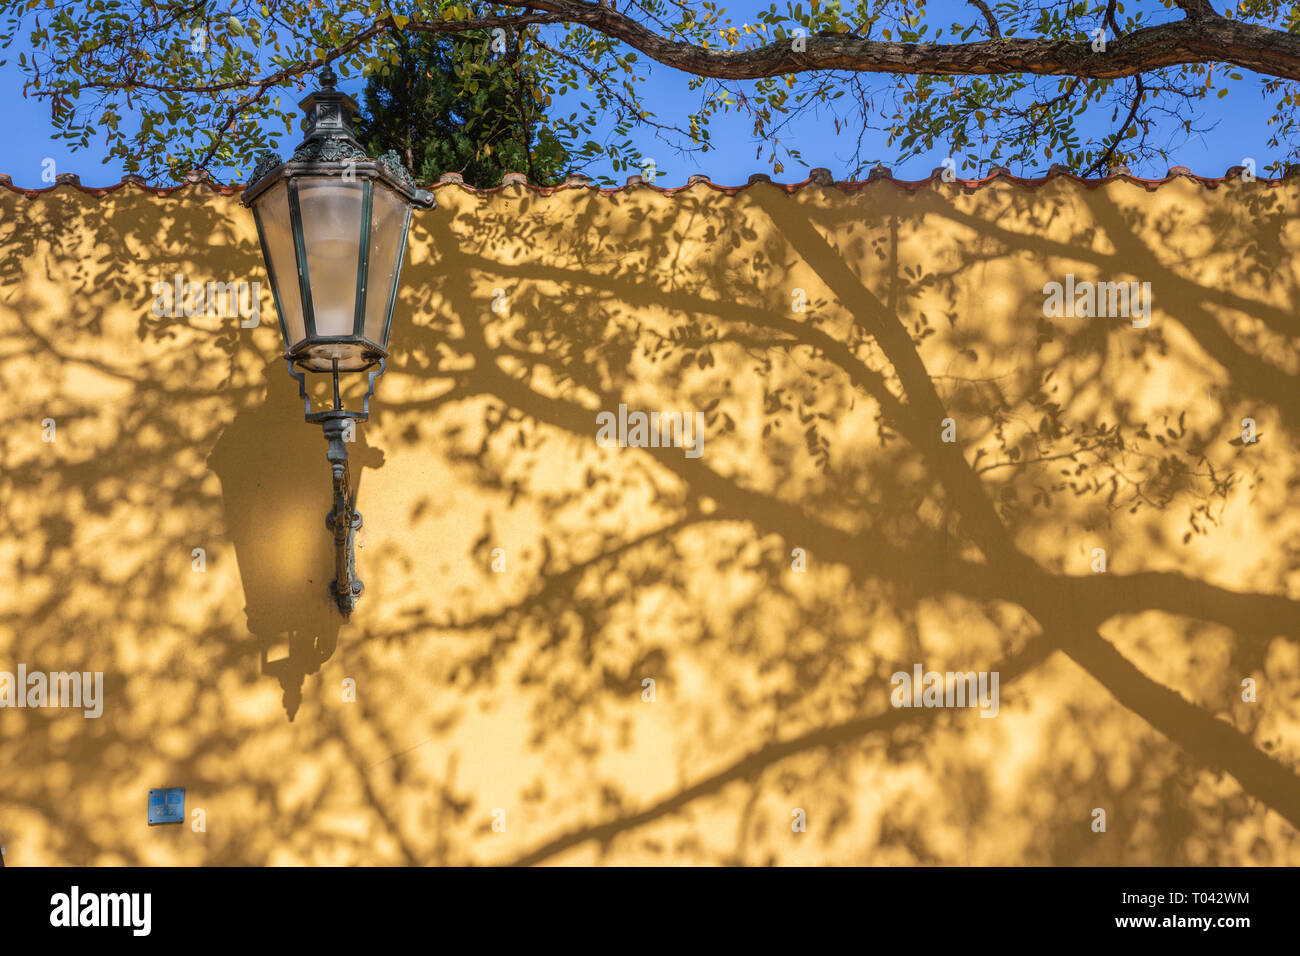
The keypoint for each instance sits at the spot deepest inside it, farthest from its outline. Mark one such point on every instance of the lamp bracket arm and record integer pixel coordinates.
(336, 412)
(343, 519)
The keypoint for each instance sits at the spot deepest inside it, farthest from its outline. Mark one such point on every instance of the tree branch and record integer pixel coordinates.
(995, 31)
(1202, 38)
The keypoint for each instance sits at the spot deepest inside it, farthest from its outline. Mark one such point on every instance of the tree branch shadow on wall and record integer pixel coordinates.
(576, 355)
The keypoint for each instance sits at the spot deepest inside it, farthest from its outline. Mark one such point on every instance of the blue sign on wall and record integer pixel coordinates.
(167, 805)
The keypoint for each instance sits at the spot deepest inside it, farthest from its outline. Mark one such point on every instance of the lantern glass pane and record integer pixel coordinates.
(272, 211)
(388, 224)
(331, 232)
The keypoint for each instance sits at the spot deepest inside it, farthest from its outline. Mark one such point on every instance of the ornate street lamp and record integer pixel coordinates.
(333, 224)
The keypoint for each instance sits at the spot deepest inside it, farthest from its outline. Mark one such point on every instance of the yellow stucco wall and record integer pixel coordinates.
(522, 690)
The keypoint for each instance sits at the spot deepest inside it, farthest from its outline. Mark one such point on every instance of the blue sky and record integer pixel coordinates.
(1239, 122)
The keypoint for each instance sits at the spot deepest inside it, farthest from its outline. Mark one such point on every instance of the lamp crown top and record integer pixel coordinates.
(331, 138)
(328, 112)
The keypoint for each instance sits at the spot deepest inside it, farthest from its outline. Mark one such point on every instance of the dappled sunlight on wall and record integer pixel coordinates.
(523, 583)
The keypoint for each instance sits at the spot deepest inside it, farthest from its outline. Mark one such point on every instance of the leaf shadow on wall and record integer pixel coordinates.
(627, 563)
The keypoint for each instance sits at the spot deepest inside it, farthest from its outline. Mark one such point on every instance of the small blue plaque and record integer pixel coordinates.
(167, 805)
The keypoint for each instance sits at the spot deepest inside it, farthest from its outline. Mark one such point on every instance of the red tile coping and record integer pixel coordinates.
(817, 177)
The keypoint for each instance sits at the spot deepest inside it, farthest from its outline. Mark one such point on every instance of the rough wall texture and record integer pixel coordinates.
(521, 690)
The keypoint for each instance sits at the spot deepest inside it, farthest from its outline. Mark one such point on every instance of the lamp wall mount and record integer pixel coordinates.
(343, 519)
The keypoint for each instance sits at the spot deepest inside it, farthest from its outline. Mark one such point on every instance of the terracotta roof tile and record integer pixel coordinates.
(818, 177)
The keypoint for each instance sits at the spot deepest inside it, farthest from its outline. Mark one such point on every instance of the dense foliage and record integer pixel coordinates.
(430, 107)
